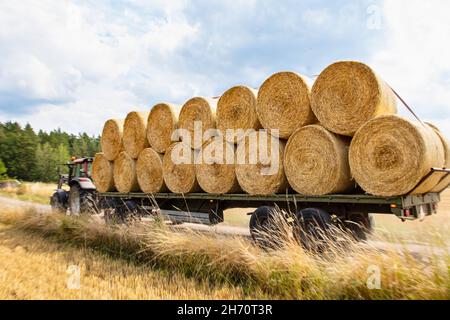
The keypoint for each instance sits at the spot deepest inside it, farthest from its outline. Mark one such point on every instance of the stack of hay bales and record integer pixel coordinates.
(216, 171)
(200, 112)
(179, 169)
(316, 161)
(260, 168)
(325, 139)
(390, 155)
(236, 110)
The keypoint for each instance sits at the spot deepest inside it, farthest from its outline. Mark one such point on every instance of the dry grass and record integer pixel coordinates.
(32, 268)
(289, 272)
(31, 191)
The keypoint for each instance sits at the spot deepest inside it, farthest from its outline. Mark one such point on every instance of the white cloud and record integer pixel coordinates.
(73, 66)
(414, 57)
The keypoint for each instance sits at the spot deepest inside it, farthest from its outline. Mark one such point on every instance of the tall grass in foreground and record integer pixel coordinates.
(342, 271)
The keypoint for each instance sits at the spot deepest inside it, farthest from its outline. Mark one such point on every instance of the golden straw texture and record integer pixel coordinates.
(162, 121)
(284, 103)
(259, 167)
(179, 169)
(316, 162)
(216, 170)
(236, 109)
(112, 139)
(201, 110)
(125, 173)
(445, 181)
(390, 155)
(149, 171)
(102, 173)
(135, 133)
(347, 94)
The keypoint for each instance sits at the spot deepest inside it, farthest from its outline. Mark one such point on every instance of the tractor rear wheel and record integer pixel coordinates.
(80, 200)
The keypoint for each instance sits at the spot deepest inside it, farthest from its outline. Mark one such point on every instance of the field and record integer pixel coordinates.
(30, 191)
(154, 261)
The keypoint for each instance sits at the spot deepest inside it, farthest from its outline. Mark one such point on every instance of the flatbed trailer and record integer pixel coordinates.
(204, 208)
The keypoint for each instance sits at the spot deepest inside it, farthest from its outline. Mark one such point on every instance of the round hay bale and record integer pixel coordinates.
(215, 170)
(202, 111)
(259, 166)
(112, 139)
(102, 173)
(236, 109)
(283, 103)
(179, 169)
(445, 181)
(316, 162)
(390, 155)
(135, 133)
(347, 94)
(149, 171)
(162, 122)
(125, 173)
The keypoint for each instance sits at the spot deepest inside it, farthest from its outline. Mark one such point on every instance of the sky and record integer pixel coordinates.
(74, 64)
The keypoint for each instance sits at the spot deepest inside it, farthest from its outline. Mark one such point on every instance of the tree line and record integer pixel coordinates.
(30, 156)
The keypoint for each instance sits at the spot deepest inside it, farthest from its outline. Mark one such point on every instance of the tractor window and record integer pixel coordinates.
(84, 170)
(76, 171)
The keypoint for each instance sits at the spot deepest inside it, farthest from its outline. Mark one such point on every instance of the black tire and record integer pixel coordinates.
(266, 228)
(313, 229)
(81, 201)
(126, 213)
(360, 226)
(56, 204)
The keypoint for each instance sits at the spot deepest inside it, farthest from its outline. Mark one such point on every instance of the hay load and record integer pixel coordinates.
(390, 155)
(236, 109)
(445, 181)
(179, 169)
(316, 162)
(284, 103)
(102, 173)
(347, 94)
(259, 167)
(149, 171)
(162, 121)
(216, 168)
(135, 133)
(125, 178)
(201, 111)
(112, 139)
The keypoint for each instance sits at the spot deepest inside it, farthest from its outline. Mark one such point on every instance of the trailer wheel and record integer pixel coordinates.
(266, 227)
(359, 226)
(312, 228)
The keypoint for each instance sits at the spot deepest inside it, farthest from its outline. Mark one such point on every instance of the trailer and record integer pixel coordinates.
(351, 211)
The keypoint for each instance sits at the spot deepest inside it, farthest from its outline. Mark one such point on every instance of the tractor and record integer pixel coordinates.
(81, 194)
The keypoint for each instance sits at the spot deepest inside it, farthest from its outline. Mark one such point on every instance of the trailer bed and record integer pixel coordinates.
(406, 207)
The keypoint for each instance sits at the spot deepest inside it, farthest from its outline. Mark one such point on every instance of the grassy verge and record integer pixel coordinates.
(342, 272)
(34, 268)
(30, 191)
